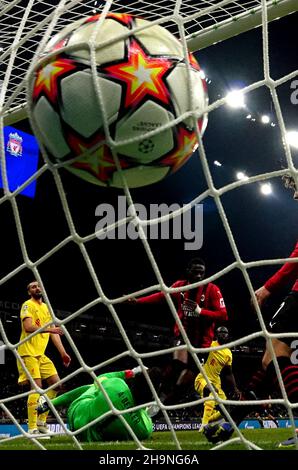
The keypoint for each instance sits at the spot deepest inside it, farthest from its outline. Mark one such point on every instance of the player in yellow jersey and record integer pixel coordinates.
(34, 314)
(218, 362)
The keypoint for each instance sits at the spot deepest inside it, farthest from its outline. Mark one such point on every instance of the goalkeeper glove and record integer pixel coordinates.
(153, 410)
(138, 370)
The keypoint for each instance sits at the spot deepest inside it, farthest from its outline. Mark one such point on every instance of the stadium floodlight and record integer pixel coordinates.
(217, 163)
(266, 189)
(292, 139)
(265, 119)
(240, 175)
(235, 99)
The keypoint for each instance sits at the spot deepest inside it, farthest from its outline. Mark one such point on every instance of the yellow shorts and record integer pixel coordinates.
(39, 367)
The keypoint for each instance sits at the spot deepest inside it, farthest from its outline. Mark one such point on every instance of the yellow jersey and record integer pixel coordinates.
(216, 361)
(40, 315)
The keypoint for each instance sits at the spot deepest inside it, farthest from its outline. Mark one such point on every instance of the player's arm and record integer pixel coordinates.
(30, 328)
(67, 398)
(286, 274)
(154, 298)
(148, 299)
(218, 311)
(58, 344)
(124, 374)
(62, 400)
(227, 372)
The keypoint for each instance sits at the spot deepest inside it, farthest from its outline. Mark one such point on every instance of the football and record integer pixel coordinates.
(117, 96)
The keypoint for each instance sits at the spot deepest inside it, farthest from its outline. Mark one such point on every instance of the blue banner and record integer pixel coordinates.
(21, 155)
(8, 430)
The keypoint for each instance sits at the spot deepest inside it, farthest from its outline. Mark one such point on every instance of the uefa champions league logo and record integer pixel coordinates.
(157, 221)
(294, 94)
(15, 144)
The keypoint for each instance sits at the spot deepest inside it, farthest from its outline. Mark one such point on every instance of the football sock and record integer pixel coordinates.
(208, 411)
(289, 373)
(32, 403)
(216, 415)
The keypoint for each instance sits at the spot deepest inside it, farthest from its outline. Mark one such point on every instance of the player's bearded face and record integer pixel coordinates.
(35, 291)
(196, 273)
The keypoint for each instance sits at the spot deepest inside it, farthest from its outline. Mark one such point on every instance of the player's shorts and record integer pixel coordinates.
(191, 365)
(39, 367)
(285, 320)
(201, 383)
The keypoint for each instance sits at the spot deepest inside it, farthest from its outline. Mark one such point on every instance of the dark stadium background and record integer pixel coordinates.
(263, 227)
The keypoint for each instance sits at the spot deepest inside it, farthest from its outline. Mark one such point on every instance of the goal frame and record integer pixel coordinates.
(206, 37)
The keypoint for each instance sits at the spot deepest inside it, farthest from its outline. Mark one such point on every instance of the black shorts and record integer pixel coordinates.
(191, 365)
(285, 320)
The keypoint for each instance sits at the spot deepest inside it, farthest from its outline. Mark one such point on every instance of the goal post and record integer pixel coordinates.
(15, 115)
(239, 23)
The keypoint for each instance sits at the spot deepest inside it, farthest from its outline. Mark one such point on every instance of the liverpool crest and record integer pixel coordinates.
(15, 144)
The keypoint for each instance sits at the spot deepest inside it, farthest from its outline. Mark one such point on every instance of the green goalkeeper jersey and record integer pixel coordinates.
(88, 402)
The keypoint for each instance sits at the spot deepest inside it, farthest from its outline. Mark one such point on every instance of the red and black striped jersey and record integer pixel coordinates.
(200, 328)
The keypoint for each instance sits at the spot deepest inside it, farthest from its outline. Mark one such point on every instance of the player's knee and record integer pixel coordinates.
(55, 382)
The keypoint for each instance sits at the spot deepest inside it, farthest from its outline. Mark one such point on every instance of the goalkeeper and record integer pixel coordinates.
(125, 389)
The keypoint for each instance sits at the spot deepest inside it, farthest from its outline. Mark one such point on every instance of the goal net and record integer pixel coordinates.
(88, 273)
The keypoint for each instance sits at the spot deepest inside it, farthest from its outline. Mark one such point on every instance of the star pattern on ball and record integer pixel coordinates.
(193, 61)
(98, 162)
(142, 74)
(47, 77)
(186, 145)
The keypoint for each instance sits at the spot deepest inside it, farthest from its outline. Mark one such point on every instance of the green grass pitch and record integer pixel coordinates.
(267, 439)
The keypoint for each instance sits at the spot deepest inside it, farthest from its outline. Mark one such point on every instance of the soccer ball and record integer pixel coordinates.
(85, 113)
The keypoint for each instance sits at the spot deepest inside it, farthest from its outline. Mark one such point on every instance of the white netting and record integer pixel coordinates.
(24, 26)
